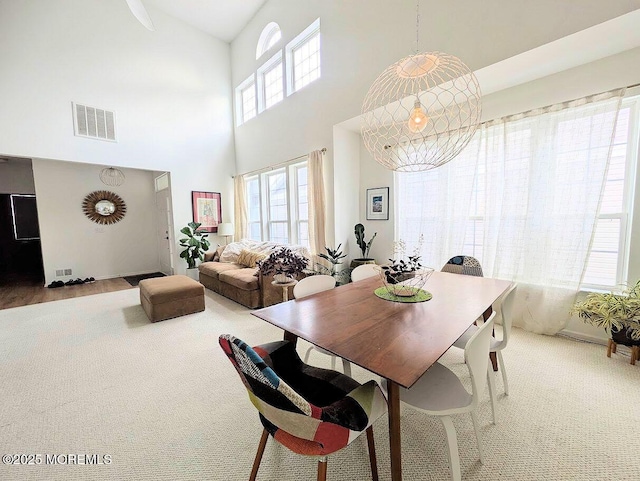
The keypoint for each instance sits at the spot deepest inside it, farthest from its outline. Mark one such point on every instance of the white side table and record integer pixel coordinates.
(285, 288)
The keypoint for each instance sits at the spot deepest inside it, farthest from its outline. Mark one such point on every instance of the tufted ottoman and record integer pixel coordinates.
(172, 296)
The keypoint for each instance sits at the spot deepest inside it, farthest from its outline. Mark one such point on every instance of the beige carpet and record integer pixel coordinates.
(91, 376)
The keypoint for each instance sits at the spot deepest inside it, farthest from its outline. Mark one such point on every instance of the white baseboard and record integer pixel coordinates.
(581, 336)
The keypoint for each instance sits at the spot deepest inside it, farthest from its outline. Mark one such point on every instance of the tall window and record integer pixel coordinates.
(515, 195)
(277, 205)
(254, 229)
(270, 82)
(608, 256)
(246, 100)
(303, 58)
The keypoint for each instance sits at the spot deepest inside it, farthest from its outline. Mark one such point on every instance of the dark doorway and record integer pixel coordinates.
(20, 251)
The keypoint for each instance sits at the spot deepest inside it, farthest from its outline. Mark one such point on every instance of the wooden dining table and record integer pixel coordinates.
(397, 341)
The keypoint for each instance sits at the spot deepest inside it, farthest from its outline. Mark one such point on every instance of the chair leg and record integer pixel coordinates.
(452, 443)
(609, 347)
(372, 454)
(474, 419)
(306, 355)
(492, 390)
(256, 461)
(614, 347)
(504, 373)
(322, 469)
(346, 365)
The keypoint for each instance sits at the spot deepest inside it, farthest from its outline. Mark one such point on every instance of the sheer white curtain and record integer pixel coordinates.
(316, 202)
(240, 207)
(524, 200)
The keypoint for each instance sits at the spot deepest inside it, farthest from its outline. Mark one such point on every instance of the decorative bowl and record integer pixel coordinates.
(405, 284)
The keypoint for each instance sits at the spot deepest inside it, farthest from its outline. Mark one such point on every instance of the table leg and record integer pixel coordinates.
(492, 355)
(292, 338)
(393, 393)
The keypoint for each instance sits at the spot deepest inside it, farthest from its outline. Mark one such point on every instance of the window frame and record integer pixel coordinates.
(266, 42)
(293, 220)
(260, 204)
(294, 45)
(274, 62)
(629, 187)
(240, 89)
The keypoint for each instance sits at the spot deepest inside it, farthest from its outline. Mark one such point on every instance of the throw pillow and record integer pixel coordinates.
(218, 253)
(249, 258)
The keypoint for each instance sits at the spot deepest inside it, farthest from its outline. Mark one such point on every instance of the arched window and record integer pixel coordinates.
(268, 38)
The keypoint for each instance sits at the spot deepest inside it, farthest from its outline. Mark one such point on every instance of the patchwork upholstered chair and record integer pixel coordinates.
(311, 411)
(466, 265)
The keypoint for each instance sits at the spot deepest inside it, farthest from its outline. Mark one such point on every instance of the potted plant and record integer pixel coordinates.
(333, 256)
(364, 246)
(195, 244)
(618, 314)
(284, 264)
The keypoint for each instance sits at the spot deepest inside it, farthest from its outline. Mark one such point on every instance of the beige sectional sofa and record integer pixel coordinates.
(222, 273)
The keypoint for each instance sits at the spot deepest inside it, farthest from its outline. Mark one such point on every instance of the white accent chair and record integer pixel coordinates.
(496, 346)
(364, 271)
(312, 285)
(439, 392)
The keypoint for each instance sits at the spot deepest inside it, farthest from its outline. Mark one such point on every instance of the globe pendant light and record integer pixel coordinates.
(421, 111)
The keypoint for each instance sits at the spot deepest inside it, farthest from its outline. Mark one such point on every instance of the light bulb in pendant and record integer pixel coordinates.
(417, 119)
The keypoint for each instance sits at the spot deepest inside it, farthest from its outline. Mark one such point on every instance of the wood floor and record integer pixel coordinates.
(22, 292)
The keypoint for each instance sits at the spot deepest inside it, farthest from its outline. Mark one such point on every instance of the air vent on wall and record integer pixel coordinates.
(94, 123)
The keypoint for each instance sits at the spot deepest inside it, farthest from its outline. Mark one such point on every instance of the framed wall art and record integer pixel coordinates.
(378, 203)
(207, 210)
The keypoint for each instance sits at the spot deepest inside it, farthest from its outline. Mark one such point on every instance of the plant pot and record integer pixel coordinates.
(622, 337)
(363, 260)
(282, 278)
(193, 273)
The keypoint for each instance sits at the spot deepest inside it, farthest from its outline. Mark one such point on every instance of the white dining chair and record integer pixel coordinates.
(439, 392)
(506, 309)
(312, 285)
(364, 271)
(307, 287)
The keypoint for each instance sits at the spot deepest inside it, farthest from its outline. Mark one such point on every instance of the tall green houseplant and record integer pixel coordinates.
(196, 244)
(362, 244)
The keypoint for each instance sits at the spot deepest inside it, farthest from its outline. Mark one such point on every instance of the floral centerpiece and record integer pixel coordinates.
(616, 313)
(405, 278)
(284, 264)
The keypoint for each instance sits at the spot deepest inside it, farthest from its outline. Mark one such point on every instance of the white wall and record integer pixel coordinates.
(170, 90)
(70, 240)
(16, 177)
(360, 38)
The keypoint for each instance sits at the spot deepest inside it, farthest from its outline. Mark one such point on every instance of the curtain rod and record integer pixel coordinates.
(279, 164)
(562, 102)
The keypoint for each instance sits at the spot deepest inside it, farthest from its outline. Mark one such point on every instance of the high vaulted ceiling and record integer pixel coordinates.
(224, 19)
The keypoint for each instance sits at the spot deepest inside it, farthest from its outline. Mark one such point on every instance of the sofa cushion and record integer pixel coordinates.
(214, 256)
(213, 269)
(242, 278)
(250, 258)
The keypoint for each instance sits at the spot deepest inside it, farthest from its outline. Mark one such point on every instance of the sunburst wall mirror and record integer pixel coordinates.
(104, 207)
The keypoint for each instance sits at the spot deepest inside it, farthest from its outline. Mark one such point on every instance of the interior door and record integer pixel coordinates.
(164, 216)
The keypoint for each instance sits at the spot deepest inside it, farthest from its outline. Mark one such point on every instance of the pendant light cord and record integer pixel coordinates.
(417, 27)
